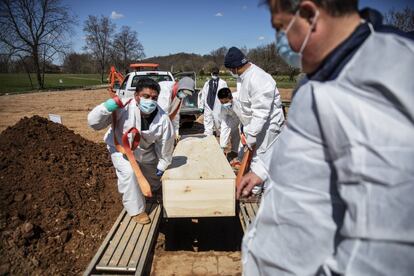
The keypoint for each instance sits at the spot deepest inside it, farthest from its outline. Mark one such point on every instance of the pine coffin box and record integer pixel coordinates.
(199, 181)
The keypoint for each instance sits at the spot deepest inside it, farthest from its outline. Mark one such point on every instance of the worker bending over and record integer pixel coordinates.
(171, 97)
(261, 111)
(230, 122)
(154, 152)
(210, 103)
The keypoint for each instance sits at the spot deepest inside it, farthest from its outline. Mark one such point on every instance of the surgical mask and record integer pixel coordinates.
(184, 93)
(214, 77)
(147, 106)
(181, 95)
(283, 48)
(227, 106)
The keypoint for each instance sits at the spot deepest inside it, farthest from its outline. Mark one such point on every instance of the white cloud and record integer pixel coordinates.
(261, 38)
(115, 15)
(219, 14)
(244, 7)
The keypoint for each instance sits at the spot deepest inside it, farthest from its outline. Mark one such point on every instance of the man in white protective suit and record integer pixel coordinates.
(261, 111)
(210, 103)
(154, 151)
(340, 191)
(230, 121)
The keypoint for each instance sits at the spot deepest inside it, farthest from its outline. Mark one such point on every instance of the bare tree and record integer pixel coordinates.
(403, 20)
(99, 32)
(38, 28)
(127, 46)
(218, 55)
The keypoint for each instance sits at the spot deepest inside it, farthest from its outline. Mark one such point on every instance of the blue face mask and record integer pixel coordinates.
(283, 48)
(227, 106)
(147, 106)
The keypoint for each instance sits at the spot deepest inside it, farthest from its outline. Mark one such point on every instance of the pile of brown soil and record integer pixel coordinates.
(58, 199)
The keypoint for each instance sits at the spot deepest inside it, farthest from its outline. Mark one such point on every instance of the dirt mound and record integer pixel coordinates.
(58, 199)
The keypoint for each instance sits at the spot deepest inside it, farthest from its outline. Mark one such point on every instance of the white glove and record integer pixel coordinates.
(251, 142)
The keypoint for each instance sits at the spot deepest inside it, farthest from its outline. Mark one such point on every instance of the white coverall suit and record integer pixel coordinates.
(211, 116)
(341, 174)
(164, 101)
(261, 112)
(154, 150)
(230, 124)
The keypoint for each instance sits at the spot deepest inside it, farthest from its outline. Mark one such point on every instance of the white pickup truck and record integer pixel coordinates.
(128, 86)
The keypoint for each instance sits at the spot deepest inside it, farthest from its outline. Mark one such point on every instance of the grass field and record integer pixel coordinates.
(18, 83)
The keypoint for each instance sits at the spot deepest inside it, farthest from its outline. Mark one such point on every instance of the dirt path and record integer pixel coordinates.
(72, 105)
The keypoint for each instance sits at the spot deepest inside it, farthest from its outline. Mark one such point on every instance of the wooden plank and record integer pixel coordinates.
(198, 198)
(156, 218)
(122, 244)
(250, 212)
(129, 249)
(244, 218)
(104, 244)
(113, 244)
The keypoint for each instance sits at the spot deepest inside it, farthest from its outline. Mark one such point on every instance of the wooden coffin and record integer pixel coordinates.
(200, 181)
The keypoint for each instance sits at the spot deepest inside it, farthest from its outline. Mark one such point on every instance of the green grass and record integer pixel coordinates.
(19, 83)
(281, 81)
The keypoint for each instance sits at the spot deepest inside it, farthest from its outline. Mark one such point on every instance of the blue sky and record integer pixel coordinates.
(193, 26)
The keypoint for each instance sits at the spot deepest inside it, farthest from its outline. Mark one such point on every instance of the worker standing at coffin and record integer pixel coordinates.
(261, 111)
(229, 119)
(154, 153)
(341, 176)
(210, 103)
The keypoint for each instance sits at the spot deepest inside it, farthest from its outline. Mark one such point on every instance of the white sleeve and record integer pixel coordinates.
(225, 130)
(262, 98)
(259, 168)
(99, 118)
(203, 95)
(165, 146)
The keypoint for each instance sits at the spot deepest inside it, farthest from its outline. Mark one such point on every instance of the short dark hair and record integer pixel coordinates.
(224, 93)
(147, 83)
(215, 70)
(333, 7)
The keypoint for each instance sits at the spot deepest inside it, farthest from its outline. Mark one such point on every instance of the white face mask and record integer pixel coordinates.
(147, 106)
(227, 106)
(283, 48)
(214, 77)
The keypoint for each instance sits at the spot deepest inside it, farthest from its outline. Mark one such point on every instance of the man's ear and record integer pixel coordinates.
(307, 10)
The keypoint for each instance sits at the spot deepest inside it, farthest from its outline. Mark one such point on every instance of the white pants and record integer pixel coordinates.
(210, 122)
(132, 197)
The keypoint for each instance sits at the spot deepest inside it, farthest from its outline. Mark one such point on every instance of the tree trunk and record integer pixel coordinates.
(27, 71)
(102, 72)
(37, 68)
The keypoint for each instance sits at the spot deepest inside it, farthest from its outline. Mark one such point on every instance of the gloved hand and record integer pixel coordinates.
(111, 105)
(251, 142)
(159, 173)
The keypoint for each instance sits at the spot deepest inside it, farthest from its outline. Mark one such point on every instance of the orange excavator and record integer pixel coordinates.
(114, 78)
